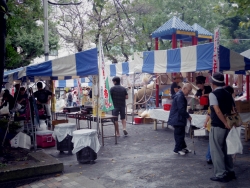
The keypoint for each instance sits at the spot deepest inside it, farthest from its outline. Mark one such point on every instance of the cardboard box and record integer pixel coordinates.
(148, 120)
(201, 132)
(242, 106)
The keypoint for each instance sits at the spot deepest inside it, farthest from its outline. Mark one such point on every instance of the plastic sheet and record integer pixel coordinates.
(62, 130)
(85, 137)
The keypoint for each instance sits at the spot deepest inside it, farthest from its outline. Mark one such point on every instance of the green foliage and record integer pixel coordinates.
(242, 9)
(13, 126)
(25, 36)
(233, 30)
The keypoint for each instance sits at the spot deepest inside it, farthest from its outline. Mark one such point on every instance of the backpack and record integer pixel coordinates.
(70, 98)
(42, 96)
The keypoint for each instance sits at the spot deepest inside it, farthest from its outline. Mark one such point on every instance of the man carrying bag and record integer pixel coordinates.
(221, 103)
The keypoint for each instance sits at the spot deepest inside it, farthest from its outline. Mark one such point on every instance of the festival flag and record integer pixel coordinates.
(106, 103)
(216, 56)
(80, 94)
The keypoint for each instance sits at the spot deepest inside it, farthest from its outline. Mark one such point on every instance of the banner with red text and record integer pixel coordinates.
(106, 103)
(216, 62)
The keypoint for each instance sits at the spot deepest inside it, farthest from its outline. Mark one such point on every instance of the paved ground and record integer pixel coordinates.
(144, 159)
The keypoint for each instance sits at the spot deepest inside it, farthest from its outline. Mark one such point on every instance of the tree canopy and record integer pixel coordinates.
(24, 41)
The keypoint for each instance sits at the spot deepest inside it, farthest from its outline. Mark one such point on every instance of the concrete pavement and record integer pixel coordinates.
(144, 159)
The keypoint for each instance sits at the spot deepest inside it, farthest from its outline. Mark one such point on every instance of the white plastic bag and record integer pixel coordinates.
(233, 141)
(21, 140)
(187, 127)
(5, 109)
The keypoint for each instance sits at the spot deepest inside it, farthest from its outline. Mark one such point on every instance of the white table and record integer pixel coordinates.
(197, 120)
(162, 115)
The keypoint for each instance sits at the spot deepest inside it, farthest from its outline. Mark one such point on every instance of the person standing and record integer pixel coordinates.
(22, 97)
(203, 90)
(85, 95)
(43, 97)
(119, 95)
(75, 98)
(90, 94)
(178, 119)
(174, 86)
(69, 99)
(221, 103)
(8, 99)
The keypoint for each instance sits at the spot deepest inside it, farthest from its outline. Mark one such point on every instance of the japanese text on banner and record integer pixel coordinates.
(105, 97)
(216, 62)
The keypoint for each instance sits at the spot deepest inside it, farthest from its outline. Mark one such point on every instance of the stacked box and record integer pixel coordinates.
(242, 106)
(148, 120)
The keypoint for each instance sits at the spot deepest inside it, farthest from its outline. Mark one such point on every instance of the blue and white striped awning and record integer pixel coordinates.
(73, 82)
(70, 67)
(187, 59)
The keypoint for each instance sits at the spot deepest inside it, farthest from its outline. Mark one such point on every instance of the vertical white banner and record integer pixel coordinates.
(216, 56)
(106, 102)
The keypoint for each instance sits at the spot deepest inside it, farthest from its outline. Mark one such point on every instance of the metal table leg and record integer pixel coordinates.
(155, 124)
(102, 135)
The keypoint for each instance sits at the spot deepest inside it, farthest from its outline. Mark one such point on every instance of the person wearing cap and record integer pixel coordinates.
(178, 118)
(174, 86)
(119, 95)
(203, 90)
(221, 103)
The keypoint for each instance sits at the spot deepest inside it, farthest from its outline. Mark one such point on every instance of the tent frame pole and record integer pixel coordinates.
(133, 99)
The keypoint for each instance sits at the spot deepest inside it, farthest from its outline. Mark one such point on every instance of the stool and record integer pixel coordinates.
(86, 145)
(63, 133)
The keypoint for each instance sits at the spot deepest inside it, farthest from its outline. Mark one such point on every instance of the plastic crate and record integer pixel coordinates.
(65, 145)
(86, 155)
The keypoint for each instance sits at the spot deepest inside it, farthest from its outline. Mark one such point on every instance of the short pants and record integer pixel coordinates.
(116, 112)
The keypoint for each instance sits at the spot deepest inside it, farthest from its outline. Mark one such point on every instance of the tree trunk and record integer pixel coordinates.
(2, 41)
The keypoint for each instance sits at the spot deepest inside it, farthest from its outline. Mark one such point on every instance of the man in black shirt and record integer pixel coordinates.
(43, 97)
(119, 95)
(174, 86)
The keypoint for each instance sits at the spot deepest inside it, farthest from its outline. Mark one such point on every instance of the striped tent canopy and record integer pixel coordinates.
(81, 64)
(188, 59)
(73, 82)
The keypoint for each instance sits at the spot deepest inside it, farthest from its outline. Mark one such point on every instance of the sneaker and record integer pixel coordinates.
(125, 132)
(179, 152)
(186, 150)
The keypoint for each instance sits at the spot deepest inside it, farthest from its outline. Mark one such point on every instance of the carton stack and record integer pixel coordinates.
(242, 106)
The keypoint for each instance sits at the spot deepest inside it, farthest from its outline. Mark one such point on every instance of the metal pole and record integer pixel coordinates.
(46, 33)
(133, 99)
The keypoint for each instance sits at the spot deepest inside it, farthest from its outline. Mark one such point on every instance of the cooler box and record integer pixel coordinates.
(44, 139)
